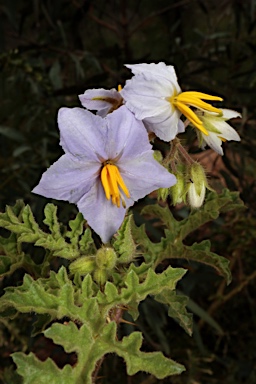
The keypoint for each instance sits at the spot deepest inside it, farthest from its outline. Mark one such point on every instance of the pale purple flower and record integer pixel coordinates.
(108, 164)
(101, 100)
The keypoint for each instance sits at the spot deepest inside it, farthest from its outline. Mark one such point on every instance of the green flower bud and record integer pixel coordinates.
(100, 276)
(83, 265)
(106, 258)
(178, 191)
(158, 156)
(197, 185)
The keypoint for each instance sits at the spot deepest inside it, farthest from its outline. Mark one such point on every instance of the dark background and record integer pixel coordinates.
(51, 51)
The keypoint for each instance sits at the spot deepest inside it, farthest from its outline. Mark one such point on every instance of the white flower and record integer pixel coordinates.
(218, 130)
(154, 96)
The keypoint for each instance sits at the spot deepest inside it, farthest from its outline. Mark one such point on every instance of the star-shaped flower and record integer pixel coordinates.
(108, 164)
(154, 96)
(218, 130)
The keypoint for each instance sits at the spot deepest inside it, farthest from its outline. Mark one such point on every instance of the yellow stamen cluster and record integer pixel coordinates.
(112, 182)
(194, 99)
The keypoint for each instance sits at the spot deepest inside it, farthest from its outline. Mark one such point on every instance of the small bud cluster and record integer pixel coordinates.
(100, 266)
(191, 184)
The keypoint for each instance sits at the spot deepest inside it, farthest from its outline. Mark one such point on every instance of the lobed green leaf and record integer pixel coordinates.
(35, 371)
(134, 291)
(154, 363)
(177, 308)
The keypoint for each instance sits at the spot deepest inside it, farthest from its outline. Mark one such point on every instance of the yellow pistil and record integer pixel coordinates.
(194, 99)
(112, 182)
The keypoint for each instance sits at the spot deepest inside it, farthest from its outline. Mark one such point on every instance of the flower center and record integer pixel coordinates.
(194, 99)
(112, 182)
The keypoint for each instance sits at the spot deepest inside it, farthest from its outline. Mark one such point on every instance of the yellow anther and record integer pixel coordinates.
(112, 182)
(119, 87)
(194, 99)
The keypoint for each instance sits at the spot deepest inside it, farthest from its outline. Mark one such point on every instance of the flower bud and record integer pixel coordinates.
(83, 265)
(178, 191)
(106, 258)
(100, 276)
(158, 156)
(197, 185)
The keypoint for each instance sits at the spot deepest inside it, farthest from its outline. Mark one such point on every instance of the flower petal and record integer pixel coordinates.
(213, 141)
(159, 70)
(82, 133)
(146, 96)
(227, 132)
(230, 114)
(67, 179)
(126, 136)
(181, 126)
(144, 174)
(104, 217)
(165, 129)
(100, 100)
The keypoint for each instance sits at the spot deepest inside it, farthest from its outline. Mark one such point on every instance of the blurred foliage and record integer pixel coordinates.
(51, 51)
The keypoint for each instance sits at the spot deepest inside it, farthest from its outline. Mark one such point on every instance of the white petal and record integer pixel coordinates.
(157, 70)
(214, 142)
(230, 114)
(165, 129)
(227, 132)
(194, 199)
